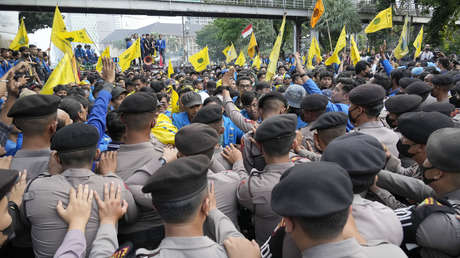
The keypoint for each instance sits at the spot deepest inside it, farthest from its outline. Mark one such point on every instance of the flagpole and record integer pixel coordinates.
(329, 33)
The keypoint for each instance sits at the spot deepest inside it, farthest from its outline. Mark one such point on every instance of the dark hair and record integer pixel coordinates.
(247, 98)
(397, 74)
(71, 106)
(115, 128)
(373, 111)
(60, 87)
(262, 85)
(78, 158)
(329, 134)
(242, 78)
(278, 147)
(347, 84)
(84, 101)
(212, 99)
(325, 74)
(382, 80)
(140, 78)
(180, 211)
(326, 227)
(442, 80)
(98, 86)
(138, 121)
(161, 95)
(157, 85)
(260, 74)
(361, 66)
(35, 126)
(444, 61)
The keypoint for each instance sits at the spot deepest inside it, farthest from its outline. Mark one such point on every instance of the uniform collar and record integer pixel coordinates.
(345, 248)
(22, 153)
(278, 167)
(77, 172)
(181, 243)
(136, 146)
(370, 124)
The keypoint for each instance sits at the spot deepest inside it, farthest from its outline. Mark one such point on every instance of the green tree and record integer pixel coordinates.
(36, 20)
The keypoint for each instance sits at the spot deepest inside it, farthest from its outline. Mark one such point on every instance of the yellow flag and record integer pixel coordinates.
(21, 39)
(80, 36)
(304, 59)
(230, 53)
(354, 54)
(341, 43)
(62, 74)
(383, 20)
(317, 12)
(256, 62)
(174, 100)
(314, 51)
(105, 53)
(133, 52)
(252, 46)
(200, 60)
(402, 48)
(75, 68)
(241, 60)
(274, 55)
(170, 69)
(58, 28)
(418, 43)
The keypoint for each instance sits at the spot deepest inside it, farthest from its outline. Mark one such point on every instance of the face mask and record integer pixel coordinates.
(390, 121)
(403, 149)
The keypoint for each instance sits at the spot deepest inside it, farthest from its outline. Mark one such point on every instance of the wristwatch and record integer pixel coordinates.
(162, 161)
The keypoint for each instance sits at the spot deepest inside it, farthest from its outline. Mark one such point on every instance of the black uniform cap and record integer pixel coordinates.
(276, 127)
(208, 114)
(399, 104)
(34, 106)
(75, 137)
(139, 102)
(179, 180)
(9, 177)
(315, 102)
(312, 190)
(418, 126)
(117, 91)
(442, 149)
(329, 120)
(195, 138)
(190, 99)
(406, 81)
(367, 95)
(441, 107)
(360, 154)
(418, 88)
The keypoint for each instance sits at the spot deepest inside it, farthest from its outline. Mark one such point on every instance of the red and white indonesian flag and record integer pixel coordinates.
(247, 31)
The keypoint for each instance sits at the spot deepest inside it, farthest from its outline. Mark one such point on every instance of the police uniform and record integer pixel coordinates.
(244, 123)
(372, 95)
(254, 191)
(191, 173)
(33, 107)
(43, 193)
(330, 183)
(400, 104)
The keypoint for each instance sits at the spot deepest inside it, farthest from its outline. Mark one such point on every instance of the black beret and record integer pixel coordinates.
(442, 149)
(75, 137)
(181, 179)
(315, 102)
(195, 138)
(139, 102)
(402, 103)
(208, 114)
(190, 99)
(272, 95)
(406, 81)
(34, 105)
(329, 120)
(312, 190)
(442, 80)
(9, 177)
(362, 155)
(367, 95)
(276, 127)
(442, 107)
(418, 88)
(418, 126)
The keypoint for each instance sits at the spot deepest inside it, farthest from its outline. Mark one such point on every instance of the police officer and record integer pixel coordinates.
(36, 117)
(185, 210)
(323, 228)
(400, 104)
(275, 136)
(363, 156)
(138, 113)
(76, 147)
(312, 106)
(366, 105)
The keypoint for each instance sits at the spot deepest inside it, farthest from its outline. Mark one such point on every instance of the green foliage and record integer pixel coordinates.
(36, 20)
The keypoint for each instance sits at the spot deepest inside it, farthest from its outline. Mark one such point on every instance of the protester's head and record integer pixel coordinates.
(342, 89)
(363, 163)
(382, 80)
(328, 126)
(262, 88)
(76, 145)
(250, 104)
(442, 83)
(318, 220)
(400, 104)
(157, 86)
(443, 63)
(362, 69)
(115, 127)
(366, 103)
(74, 108)
(441, 167)
(325, 79)
(118, 95)
(276, 135)
(313, 106)
(191, 101)
(270, 104)
(297, 78)
(60, 90)
(63, 119)
(35, 115)
(140, 82)
(396, 75)
(294, 95)
(261, 76)
(138, 112)
(243, 83)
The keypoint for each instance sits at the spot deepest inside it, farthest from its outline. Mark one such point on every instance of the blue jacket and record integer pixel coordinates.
(387, 66)
(232, 133)
(161, 44)
(97, 116)
(311, 88)
(180, 120)
(79, 52)
(300, 123)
